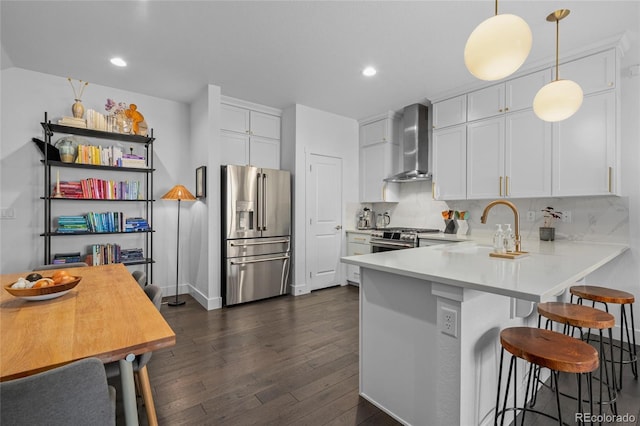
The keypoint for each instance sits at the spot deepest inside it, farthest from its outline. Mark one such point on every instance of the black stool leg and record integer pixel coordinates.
(495, 419)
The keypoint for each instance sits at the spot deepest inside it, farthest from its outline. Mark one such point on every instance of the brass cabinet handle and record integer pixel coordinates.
(384, 185)
(433, 190)
(610, 175)
(506, 186)
(500, 185)
(500, 110)
(506, 109)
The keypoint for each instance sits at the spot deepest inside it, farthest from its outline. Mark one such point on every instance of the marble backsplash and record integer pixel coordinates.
(602, 218)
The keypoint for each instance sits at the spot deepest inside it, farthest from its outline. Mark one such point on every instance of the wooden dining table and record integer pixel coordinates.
(107, 316)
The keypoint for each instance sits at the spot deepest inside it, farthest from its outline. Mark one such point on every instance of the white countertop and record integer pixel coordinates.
(549, 269)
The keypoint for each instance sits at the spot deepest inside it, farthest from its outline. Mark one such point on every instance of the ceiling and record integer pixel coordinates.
(282, 53)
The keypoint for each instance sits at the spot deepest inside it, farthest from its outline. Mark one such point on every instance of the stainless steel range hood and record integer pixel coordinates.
(416, 144)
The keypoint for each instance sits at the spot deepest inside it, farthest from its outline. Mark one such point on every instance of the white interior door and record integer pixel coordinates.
(324, 220)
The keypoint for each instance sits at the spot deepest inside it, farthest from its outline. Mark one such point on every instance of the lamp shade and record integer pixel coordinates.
(497, 47)
(558, 100)
(179, 192)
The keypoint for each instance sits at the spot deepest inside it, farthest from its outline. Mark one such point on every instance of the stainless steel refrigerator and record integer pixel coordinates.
(256, 231)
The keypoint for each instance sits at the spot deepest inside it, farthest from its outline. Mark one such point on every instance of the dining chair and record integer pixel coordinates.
(73, 394)
(141, 277)
(154, 293)
(60, 266)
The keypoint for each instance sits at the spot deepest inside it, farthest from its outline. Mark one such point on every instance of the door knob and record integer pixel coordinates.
(338, 227)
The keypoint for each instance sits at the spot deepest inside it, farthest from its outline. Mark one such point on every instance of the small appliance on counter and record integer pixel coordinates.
(366, 219)
(383, 220)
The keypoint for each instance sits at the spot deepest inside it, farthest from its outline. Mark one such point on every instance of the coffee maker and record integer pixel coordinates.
(366, 219)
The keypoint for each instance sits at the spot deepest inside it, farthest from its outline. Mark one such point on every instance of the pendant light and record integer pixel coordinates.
(560, 99)
(497, 47)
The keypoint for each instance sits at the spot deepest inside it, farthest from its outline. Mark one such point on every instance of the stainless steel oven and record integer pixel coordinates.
(395, 238)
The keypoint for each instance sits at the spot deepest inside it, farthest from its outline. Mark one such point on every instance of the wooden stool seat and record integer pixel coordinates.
(602, 294)
(547, 348)
(576, 315)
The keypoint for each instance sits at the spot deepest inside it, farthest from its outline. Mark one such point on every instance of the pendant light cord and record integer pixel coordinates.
(557, 46)
(496, 7)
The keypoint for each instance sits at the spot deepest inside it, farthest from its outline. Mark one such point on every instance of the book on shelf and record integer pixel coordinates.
(73, 122)
(101, 189)
(136, 224)
(60, 258)
(71, 224)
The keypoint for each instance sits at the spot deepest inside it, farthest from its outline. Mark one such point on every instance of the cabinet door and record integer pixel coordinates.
(265, 125)
(584, 149)
(264, 152)
(374, 168)
(234, 119)
(485, 159)
(376, 132)
(485, 102)
(527, 156)
(593, 73)
(234, 148)
(521, 91)
(450, 112)
(450, 163)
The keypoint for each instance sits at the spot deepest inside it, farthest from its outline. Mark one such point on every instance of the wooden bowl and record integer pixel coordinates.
(43, 293)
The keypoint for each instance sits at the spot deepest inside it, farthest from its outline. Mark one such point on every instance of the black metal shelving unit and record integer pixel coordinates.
(48, 199)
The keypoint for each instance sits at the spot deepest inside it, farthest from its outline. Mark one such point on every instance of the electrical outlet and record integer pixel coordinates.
(449, 321)
(7, 214)
(531, 216)
(566, 216)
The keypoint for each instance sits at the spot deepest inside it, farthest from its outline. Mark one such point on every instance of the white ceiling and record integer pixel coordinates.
(281, 53)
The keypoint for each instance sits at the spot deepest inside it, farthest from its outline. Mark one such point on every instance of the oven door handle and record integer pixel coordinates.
(390, 244)
(233, 262)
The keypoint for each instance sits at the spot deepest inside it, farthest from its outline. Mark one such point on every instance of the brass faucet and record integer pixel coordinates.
(516, 218)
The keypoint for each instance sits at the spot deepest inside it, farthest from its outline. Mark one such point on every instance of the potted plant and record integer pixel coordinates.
(547, 231)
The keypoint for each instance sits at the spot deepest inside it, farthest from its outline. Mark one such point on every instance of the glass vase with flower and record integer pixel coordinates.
(117, 121)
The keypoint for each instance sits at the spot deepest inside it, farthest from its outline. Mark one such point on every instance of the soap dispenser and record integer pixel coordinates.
(498, 240)
(509, 239)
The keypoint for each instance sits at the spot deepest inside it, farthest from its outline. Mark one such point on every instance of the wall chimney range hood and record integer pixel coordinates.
(417, 123)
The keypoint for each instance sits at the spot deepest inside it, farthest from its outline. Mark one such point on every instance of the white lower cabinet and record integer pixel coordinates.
(357, 244)
(584, 150)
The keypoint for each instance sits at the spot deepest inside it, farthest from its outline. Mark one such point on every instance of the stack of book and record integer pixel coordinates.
(105, 222)
(97, 121)
(59, 258)
(131, 255)
(73, 122)
(131, 160)
(136, 224)
(71, 224)
(70, 190)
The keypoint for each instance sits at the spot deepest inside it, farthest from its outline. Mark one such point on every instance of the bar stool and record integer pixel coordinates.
(579, 317)
(606, 296)
(548, 349)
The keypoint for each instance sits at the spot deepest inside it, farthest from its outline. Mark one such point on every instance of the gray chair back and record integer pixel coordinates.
(74, 394)
(141, 277)
(60, 266)
(154, 293)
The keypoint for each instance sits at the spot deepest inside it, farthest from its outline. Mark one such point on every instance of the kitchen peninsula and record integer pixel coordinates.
(430, 318)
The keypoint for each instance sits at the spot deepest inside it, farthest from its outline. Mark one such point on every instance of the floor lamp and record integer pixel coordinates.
(179, 193)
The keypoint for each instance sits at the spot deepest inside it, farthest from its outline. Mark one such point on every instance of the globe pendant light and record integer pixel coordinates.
(497, 47)
(560, 99)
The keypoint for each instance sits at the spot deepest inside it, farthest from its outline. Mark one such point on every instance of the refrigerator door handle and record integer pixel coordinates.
(258, 244)
(258, 206)
(264, 202)
(233, 262)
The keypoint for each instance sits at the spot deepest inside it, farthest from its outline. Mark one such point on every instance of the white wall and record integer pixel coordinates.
(318, 132)
(25, 96)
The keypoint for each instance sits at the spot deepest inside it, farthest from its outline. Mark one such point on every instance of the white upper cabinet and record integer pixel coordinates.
(584, 157)
(379, 153)
(521, 91)
(486, 102)
(513, 95)
(450, 112)
(593, 73)
(485, 158)
(527, 156)
(450, 163)
(249, 137)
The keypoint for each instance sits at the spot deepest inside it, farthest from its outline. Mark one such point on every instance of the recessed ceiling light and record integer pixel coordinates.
(369, 71)
(119, 62)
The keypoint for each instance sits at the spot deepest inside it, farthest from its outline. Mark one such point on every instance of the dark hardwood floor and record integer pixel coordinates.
(282, 361)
